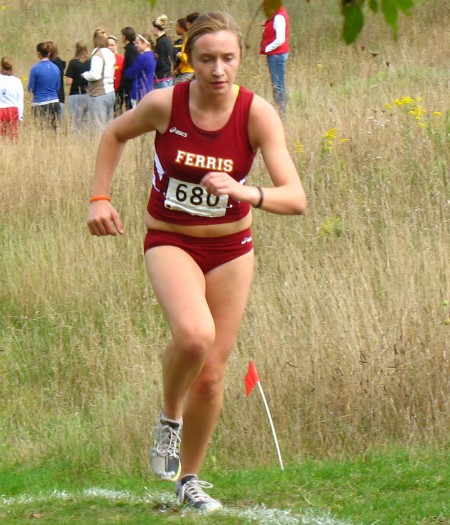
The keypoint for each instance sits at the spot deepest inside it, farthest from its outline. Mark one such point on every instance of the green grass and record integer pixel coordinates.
(394, 487)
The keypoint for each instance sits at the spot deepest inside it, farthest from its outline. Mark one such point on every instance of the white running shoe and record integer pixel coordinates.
(165, 453)
(190, 492)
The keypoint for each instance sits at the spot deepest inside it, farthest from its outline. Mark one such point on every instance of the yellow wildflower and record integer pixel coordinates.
(404, 101)
(330, 134)
(299, 148)
(417, 112)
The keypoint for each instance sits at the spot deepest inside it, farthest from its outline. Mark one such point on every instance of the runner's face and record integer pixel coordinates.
(215, 59)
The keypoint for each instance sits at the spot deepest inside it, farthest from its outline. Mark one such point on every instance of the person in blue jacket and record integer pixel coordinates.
(142, 70)
(44, 83)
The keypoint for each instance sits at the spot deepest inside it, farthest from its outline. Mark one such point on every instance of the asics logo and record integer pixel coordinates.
(178, 132)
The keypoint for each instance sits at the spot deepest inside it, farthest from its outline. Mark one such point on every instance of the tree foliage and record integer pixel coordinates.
(353, 13)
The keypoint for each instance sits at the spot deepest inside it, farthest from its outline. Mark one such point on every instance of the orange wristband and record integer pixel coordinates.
(100, 198)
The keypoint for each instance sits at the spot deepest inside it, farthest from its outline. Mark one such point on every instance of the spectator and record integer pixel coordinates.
(191, 18)
(118, 70)
(131, 53)
(142, 70)
(163, 52)
(44, 83)
(101, 81)
(185, 70)
(62, 66)
(78, 94)
(11, 101)
(275, 44)
(181, 30)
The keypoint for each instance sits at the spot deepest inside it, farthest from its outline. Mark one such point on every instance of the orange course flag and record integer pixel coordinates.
(251, 378)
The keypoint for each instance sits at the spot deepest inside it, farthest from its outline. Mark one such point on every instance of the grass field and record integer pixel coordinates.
(392, 488)
(349, 317)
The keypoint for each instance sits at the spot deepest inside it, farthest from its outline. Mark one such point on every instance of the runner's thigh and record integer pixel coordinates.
(179, 285)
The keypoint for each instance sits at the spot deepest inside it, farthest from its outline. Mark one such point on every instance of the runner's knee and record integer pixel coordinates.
(196, 341)
(210, 384)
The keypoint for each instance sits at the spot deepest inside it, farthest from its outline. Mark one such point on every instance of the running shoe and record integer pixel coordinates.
(165, 453)
(189, 491)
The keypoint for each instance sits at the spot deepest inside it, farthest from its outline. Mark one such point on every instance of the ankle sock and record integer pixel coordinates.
(187, 477)
(172, 422)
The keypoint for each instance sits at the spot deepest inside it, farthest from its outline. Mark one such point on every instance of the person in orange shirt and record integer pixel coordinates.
(118, 70)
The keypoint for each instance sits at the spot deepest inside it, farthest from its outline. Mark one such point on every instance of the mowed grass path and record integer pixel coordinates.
(391, 488)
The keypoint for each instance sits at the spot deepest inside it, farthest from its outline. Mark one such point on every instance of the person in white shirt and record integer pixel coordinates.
(101, 81)
(275, 45)
(11, 101)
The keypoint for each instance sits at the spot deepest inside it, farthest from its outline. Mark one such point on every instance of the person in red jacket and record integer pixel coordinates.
(112, 44)
(275, 45)
(199, 247)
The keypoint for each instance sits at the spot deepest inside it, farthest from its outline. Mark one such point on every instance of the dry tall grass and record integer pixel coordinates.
(347, 322)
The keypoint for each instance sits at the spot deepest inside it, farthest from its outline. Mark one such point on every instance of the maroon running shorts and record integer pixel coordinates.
(207, 252)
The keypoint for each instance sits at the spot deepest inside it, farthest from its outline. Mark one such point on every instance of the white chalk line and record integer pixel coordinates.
(258, 514)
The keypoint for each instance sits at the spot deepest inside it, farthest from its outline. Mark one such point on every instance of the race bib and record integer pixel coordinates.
(194, 199)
